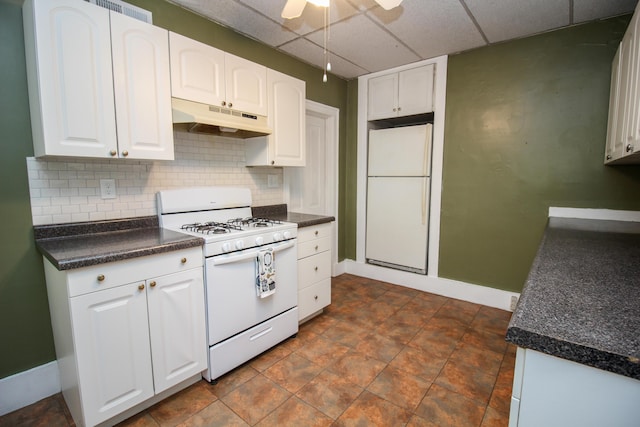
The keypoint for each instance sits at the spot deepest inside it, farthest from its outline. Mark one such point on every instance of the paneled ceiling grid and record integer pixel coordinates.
(365, 38)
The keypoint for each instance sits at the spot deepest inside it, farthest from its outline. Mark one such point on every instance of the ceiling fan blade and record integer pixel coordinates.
(389, 4)
(293, 8)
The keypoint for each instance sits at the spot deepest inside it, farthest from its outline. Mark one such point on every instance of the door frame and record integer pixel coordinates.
(331, 116)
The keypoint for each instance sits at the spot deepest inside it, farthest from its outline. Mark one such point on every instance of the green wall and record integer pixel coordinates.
(525, 129)
(26, 336)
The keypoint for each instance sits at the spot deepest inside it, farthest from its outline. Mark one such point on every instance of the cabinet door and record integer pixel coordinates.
(382, 97)
(287, 116)
(111, 335)
(623, 116)
(197, 71)
(142, 88)
(612, 123)
(177, 327)
(246, 85)
(415, 91)
(68, 52)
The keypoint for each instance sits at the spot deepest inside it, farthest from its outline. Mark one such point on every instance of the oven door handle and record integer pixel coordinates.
(229, 258)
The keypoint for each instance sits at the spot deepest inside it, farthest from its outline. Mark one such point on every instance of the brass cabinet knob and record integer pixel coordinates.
(113, 152)
(153, 284)
(141, 287)
(125, 153)
(100, 277)
(183, 260)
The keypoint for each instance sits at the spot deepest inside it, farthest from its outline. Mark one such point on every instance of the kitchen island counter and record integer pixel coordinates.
(76, 245)
(280, 213)
(580, 301)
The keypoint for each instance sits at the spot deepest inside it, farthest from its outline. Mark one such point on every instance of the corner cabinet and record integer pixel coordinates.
(202, 73)
(404, 93)
(623, 127)
(126, 331)
(314, 269)
(286, 116)
(99, 84)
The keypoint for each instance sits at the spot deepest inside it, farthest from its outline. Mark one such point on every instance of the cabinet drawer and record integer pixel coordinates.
(87, 279)
(313, 269)
(314, 298)
(314, 247)
(306, 234)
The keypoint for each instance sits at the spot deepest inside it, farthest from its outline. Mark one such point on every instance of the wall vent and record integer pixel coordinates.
(125, 9)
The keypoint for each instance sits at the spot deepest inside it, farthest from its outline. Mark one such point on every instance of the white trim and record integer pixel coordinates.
(331, 115)
(27, 387)
(439, 104)
(604, 214)
(437, 285)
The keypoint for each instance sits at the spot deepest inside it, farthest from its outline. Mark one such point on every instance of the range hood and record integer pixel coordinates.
(202, 118)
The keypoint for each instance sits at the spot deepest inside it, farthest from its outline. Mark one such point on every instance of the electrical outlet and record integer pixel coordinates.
(514, 301)
(108, 188)
(273, 181)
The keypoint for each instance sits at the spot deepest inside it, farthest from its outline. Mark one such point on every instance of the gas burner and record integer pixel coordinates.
(252, 222)
(210, 227)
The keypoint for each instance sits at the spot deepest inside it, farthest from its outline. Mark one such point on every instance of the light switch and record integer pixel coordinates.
(108, 188)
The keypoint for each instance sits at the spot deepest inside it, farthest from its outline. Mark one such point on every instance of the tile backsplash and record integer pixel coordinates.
(64, 190)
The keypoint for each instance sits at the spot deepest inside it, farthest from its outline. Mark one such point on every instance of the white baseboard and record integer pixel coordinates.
(586, 213)
(446, 287)
(25, 388)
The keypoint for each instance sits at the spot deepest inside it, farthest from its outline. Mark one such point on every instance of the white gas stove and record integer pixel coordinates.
(241, 323)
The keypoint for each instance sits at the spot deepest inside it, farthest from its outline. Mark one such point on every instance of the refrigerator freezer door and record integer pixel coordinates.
(402, 151)
(398, 222)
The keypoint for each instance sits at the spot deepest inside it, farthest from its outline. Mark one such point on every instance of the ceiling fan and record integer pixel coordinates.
(294, 8)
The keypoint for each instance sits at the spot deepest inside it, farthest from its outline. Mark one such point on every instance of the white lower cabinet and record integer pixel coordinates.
(314, 269)
(120, 344)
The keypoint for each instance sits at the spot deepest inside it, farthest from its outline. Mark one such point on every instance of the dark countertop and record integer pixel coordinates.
(280, 213)
(70, 246)
(581, 301)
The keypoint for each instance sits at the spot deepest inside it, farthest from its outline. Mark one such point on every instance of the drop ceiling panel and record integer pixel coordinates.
(500, 20)
(364, 43)
(313, 54)
(587, 10)
(430, 27)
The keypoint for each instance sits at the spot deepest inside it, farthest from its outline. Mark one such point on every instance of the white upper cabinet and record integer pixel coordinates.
(623, 127)
(402, 93)
(286, 146)
(68, 46)
(202, 73)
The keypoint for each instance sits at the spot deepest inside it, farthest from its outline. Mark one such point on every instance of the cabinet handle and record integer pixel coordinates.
(100, 277)
(316, 247)
(316, 269)
(113, 153)
(141, 287)
(224, 103)
(629, 148)
(183, 260)
(608, 156)
(230, 104)
(153, 284)
(125, 153)
(399, 108)
(316, 233)
(273, 162)
(315, 297)
(394, 110)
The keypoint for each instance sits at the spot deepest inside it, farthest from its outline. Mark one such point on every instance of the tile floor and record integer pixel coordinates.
(380, 355)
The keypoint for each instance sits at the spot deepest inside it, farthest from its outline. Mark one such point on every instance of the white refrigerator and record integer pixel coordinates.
(398, 185)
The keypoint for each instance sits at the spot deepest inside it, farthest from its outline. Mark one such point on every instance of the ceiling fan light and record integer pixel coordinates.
(388, 4)
(321, 3)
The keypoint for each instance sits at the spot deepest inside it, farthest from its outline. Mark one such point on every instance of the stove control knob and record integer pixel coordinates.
(239, 245)
(287, 234)
(226, 247)
(259, 240)
(277, 237)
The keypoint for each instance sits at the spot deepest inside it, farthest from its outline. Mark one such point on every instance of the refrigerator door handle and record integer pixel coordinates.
(424, 201)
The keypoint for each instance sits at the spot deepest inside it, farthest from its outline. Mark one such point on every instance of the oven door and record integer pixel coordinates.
(232, 303)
